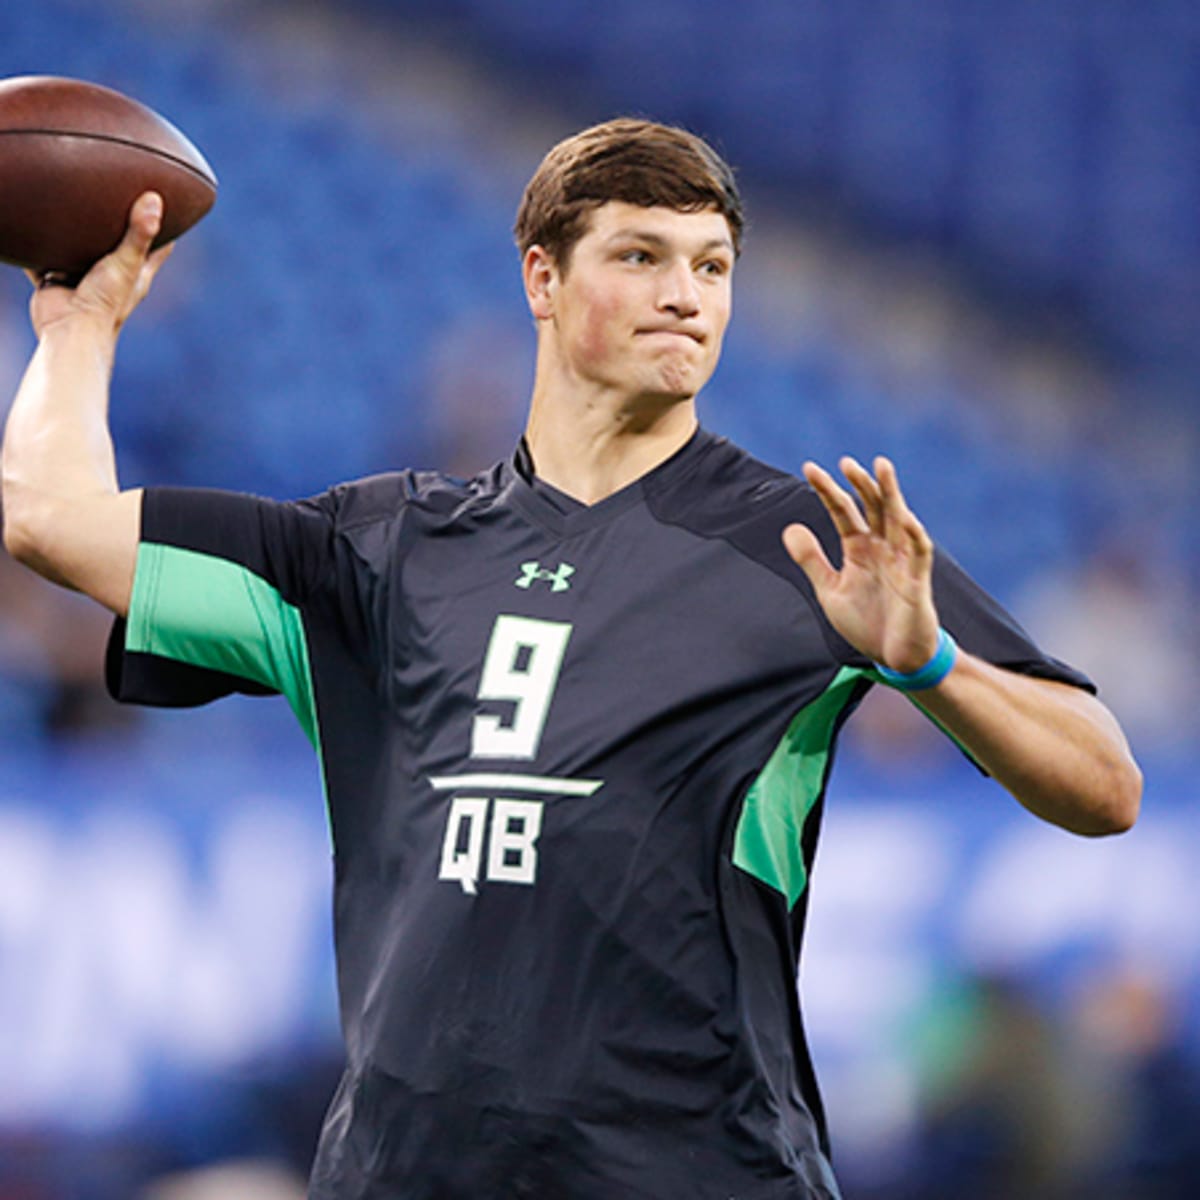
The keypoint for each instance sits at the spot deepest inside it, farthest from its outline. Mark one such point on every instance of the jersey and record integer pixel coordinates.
(575, 759)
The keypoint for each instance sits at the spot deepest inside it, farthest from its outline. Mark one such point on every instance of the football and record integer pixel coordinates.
(73, 158)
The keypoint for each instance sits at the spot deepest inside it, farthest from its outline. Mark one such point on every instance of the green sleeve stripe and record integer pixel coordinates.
(213, 613)
(768, 841)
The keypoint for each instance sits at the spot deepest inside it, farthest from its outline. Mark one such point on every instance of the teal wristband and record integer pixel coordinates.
(931, 674)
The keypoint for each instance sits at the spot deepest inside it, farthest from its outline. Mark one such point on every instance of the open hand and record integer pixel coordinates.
(881, 601)
(115, 285)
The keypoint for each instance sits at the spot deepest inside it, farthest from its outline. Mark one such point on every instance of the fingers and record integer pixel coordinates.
(115, 285)
(51, 279)
(901, 523)
(883, 512)
(145, 221)
(869, 492)
(801, 543)
(847, 518)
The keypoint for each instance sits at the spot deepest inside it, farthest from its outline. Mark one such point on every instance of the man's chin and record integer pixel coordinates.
(683, 387)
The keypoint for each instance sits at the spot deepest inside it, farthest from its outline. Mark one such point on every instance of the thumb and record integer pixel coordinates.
(145, 220)
(113, 283)
(802, 544)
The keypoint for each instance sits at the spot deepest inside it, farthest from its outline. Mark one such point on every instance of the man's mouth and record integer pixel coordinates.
(672, 331)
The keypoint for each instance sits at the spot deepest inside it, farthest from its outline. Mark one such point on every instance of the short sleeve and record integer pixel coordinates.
(223, 587)
(982, 627)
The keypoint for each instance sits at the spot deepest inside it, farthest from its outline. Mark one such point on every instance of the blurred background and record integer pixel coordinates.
(974, 247)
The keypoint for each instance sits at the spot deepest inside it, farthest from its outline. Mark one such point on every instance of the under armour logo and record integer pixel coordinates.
(558, 579)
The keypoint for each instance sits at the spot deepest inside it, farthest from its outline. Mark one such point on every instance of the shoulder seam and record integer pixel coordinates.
(800, 585)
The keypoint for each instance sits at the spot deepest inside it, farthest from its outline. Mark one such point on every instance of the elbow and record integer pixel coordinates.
(20, 545)
(20, 536)
(1131, 799)
(1099, 803)
(26, 529)
(1117, 808)
(19, 539)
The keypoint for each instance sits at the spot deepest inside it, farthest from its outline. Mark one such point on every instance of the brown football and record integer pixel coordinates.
(73, 158)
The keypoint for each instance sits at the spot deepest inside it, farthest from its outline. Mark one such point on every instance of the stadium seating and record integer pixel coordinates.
(292, 342)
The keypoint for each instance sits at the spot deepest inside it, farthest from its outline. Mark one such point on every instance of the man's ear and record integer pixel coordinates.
(540, 274)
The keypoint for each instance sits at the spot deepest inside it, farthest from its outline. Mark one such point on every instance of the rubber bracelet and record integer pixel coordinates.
(931, 674)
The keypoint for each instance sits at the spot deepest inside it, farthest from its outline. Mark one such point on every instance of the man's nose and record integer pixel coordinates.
(680, 292)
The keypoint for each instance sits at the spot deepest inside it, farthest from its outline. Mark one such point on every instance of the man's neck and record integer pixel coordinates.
(595, 453)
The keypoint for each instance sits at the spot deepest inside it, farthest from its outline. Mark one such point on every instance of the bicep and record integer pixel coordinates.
(91, 545)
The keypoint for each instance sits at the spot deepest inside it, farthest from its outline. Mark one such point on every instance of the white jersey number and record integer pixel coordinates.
(495, 837)
(521, 666)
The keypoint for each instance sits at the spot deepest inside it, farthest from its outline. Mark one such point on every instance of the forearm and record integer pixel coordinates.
(57, 446)
(1056, 748)
(64, 515)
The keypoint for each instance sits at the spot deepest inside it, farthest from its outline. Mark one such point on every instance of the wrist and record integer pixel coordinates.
(77, 324)
(78, 341)
(928, 676)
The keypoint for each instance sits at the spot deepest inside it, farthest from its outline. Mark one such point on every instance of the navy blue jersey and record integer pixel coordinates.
(574, 759)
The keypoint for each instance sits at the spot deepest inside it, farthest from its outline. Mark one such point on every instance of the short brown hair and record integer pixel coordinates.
(628, 159)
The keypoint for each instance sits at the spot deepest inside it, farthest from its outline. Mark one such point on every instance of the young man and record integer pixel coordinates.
(575, 715)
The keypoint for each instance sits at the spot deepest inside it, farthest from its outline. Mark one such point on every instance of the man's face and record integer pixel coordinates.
(643, 304)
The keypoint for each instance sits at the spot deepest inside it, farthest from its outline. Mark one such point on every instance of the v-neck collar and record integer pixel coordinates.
(564, 516)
